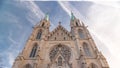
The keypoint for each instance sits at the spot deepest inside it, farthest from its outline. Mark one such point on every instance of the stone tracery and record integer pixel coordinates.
(62, 50)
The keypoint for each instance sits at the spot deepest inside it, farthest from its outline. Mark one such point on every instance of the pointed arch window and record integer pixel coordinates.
(39, 35)
(59, 61)
(34, 49)
(81, 34)
(86, 49)
(43, 24)
(76, 23)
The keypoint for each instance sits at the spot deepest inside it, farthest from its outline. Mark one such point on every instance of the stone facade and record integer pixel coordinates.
(60, 48)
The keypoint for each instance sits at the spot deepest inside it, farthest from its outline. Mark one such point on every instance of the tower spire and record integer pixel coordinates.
(72, 16)
(47, 16)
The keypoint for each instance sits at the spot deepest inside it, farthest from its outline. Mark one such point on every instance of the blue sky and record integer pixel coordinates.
(18, 17)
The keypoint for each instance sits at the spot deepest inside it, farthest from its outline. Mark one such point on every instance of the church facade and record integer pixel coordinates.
(60, 48)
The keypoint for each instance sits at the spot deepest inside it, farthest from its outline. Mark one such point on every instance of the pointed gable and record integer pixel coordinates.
(60, 34)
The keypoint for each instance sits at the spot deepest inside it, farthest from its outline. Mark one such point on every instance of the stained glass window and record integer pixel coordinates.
(60, 49)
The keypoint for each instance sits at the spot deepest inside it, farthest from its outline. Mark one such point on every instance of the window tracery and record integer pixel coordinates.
(60, 49)
(59, 61)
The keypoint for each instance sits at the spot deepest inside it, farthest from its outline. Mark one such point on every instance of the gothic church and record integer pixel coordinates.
(60, 48)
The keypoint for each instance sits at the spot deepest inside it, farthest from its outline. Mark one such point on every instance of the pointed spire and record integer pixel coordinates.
(47, 16)
(72, 16)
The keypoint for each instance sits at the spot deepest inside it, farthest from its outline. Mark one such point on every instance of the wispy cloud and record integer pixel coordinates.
(15, 46)
(11, 39)
(16, 43)
(102, 18)
(70, 8)
(106, 21)
(34, 12)
(113, 4)
(11, 58)
(103, 21)
(11, 18)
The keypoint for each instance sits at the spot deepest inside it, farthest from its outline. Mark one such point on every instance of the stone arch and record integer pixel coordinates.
(62, 49)
(93, 65)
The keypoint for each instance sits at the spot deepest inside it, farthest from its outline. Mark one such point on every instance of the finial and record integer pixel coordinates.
(72, 16)
(46, 16)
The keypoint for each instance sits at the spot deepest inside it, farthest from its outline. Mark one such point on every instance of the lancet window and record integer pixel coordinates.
(39, 35)
(34, 49)
(86, 49)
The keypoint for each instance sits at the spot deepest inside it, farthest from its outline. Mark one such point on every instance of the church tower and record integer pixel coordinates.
(60, 48)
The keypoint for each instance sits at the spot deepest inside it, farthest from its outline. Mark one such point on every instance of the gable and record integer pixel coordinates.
(60, 34)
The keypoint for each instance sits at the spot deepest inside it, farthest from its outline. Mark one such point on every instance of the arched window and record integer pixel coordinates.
(81, 34)
(28, 66)
(92, 65)
(39, 35)
(43, 24)
(76, 23)
(86, 49)
(60, 49)
(59, 61)
(34, 49)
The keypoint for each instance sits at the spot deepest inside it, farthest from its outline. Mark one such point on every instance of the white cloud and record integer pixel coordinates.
(68, 8)
(106, 24)
(14, 46)
(103, 20)
(35, 13)
(11, 58)
(112, 4)
(11, 39)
